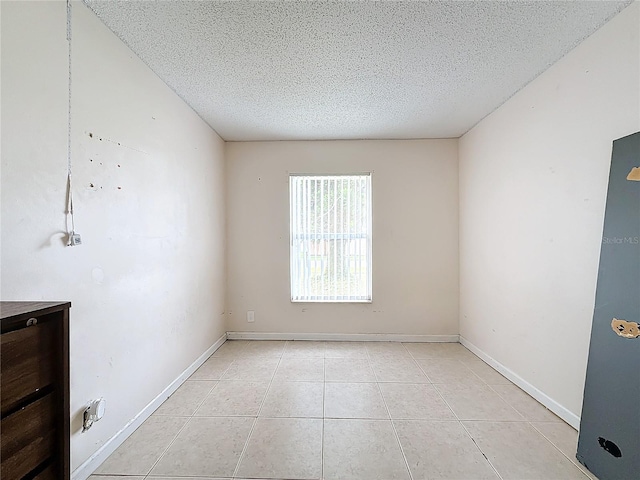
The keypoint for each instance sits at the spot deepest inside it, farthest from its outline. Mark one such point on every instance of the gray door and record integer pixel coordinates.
(609, 441)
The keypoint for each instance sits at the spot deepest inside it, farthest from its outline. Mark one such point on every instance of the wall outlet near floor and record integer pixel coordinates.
(251, 316)
(93, 413)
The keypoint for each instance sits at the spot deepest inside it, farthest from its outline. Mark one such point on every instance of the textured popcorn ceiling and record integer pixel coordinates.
(332, 70)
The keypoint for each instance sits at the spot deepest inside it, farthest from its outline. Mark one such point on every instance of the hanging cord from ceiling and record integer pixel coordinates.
(73, 237)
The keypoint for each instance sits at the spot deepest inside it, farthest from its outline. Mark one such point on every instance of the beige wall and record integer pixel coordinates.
(147, 285)
(415, 236)
(533, 181)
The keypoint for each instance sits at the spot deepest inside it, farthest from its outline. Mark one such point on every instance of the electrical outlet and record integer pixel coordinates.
(93, 413)
(251, 316)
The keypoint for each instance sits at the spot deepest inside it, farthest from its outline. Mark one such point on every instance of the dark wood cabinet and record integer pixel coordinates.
(34, 390)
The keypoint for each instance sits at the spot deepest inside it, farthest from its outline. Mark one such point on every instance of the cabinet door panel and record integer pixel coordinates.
(28, 438)
(28, 359)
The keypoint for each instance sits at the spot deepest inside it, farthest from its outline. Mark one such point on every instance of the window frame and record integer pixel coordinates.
(369, 237)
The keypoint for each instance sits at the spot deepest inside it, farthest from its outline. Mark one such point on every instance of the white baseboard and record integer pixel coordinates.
(94, 461)
(343, 337)
(566, 415)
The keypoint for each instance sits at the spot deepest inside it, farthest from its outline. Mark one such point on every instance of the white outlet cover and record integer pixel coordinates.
(251, 316)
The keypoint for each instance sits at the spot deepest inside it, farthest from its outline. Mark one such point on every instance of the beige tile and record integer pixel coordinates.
(119, 477)
(419, 401)
(294, 399)
(399, 360)
(485, 372)
(386, 349)
(527, 406)
(448, 370)
(442, 450)
(438, 350)
(207, 446)
(284, 448)
(142, 449)
(345, 350)
(300, 369)
(213, 369)
(518, 451)
(254, 369)
(186, 399)
(565, 438)
(231, 348)
(477, 402)
(362, 450)
(353, 400)
(304, 349)
(230, 398)
(348, 370)
(401, 369)
(265, 348)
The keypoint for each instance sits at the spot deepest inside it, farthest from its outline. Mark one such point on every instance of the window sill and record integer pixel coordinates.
(332, 301)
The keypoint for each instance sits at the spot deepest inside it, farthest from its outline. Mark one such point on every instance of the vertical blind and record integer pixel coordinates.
(330, 238)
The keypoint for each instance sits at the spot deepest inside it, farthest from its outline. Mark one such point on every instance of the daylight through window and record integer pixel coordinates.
(330, 238)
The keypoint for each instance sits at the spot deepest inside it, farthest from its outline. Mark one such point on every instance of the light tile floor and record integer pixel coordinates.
(347, 411)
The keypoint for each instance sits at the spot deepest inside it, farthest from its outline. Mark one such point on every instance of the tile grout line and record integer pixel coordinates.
(492, 387)
(253, 426)
(190, 417)
(393, 427)
(487, 384)
(480, 449)
(579, 467)
(463, 426)
(508, 403)
(483, 383)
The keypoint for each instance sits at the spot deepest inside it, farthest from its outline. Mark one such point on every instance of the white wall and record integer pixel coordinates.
(147, 285)
(533, 181)
(415, 236)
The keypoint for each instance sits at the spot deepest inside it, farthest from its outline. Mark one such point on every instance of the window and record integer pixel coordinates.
(330, 238)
